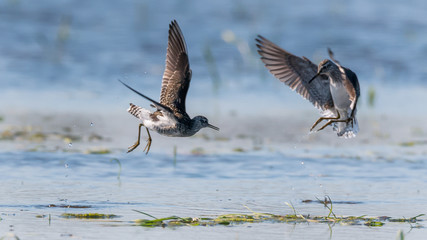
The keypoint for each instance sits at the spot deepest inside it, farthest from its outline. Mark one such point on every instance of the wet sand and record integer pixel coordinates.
(278, 126)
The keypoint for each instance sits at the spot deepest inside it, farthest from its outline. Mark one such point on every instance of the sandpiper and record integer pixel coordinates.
(170, 118)
(330, 87)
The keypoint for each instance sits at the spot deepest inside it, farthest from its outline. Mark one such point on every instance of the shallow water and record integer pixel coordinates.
(59, 65)
(199, 186)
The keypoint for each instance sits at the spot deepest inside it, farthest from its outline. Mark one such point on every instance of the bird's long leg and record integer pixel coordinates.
(317, 122)
(333, 121)
(324, 118)
(147, 147)
(136, 144)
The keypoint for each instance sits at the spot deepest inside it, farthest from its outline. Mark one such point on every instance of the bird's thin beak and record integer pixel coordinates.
(315, 76)
(213, 127)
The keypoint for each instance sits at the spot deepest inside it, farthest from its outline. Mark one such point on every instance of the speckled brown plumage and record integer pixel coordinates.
(170, 118)
(177, 75)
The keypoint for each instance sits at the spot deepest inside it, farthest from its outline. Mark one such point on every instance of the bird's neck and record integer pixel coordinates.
(195, 125)
(335, 76)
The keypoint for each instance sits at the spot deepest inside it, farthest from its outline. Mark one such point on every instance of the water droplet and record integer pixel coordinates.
(302, 163)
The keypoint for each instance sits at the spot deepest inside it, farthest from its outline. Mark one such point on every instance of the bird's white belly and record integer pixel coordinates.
(340, 97)
(164, 126)
(163, 122)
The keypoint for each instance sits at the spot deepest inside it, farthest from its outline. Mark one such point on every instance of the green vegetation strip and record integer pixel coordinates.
(232, 219)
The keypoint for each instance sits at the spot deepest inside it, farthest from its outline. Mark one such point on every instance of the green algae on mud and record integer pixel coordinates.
(255, 217)
(233, 219)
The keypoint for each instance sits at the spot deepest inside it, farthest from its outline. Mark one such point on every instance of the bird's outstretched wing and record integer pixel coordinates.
(295, 72)
(177, 75)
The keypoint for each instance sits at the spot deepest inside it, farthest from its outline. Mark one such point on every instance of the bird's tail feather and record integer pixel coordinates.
(347, 129)
(343, 129)
(138, 112)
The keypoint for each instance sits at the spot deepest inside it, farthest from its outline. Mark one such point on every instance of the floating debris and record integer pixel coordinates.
(94, 137)
(10, 236)
(327, 201)
(413, 143)
(67, 206)
(7, 135)
(238, 149)
(198, 151)
(98, 151)
(37, 137)
(89, 215)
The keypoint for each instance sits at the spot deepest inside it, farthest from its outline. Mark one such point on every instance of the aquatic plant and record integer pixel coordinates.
(174, 155)
(400, 235)
(256, 217)
(371, 96)
(120, 169)
(212, 68)
(237, 218)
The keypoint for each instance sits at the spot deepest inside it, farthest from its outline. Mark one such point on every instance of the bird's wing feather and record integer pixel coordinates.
(351, 83)
(295, 72)
(352, 77)
(177, 75)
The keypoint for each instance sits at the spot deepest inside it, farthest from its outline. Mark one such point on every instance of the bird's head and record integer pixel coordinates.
(202, 122)
(325, 67)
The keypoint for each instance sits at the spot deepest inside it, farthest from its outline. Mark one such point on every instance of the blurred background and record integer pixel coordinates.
(65, 57)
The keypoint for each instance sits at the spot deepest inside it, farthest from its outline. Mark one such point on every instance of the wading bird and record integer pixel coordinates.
(330, 87)
(170, 118)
